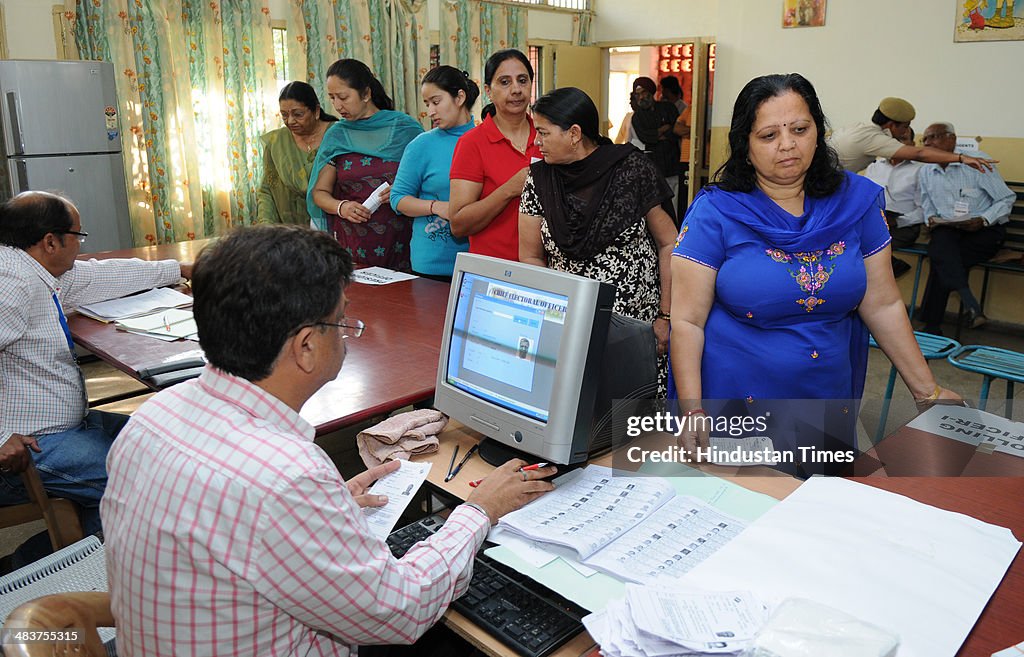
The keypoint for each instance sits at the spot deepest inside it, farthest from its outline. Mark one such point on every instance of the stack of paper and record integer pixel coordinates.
(634, 528)
(173, 324)
(658, 622)
(161, 298)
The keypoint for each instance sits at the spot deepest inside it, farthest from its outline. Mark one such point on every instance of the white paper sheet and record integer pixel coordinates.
(400, 486)
(921, 572)
(709, 622)
(373, 201)
(974, 427)
(380, 276)
(160, 298)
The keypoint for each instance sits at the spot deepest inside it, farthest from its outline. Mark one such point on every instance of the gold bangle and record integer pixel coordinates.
(931, 397)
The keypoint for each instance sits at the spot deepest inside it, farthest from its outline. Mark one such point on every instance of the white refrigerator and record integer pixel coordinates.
(61, 134)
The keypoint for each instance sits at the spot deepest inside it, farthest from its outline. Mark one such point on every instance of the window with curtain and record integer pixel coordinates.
(197, 87)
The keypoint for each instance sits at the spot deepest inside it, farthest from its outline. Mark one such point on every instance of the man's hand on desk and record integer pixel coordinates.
(186, 270)
(507, 488)
(14, 456)
(359, 484)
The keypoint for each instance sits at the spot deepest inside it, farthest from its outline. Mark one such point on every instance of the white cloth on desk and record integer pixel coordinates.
(230, 532)
(41, 387)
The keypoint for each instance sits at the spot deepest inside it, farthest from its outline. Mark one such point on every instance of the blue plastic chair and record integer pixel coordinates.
(932, 347)
(992, 363)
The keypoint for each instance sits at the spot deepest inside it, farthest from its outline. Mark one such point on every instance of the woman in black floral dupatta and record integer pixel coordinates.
(599, 210)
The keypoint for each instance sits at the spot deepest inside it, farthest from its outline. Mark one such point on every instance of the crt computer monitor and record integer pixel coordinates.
(521, 358)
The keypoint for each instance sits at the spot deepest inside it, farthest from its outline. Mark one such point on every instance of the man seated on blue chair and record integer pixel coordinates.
(44, 413)
(967, 212)
(903, 211)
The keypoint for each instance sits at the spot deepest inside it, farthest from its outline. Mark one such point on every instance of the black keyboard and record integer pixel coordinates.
(525, 615)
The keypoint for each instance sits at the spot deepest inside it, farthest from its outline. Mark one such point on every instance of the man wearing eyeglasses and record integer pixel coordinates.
(228, 530)
(44, 412)
(967, 212)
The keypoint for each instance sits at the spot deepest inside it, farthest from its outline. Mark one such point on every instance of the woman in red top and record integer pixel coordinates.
(491, 161)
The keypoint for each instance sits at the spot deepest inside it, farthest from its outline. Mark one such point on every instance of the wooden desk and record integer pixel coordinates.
(995, 499)
(393, 364)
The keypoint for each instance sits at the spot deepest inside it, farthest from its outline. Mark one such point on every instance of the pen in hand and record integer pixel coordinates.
(525, 468)
(471, 452)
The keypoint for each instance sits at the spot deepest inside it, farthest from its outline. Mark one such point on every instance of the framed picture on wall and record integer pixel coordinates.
(803, 13)
(989, 20)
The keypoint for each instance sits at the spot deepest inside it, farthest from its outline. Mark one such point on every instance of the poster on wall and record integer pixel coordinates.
(989, 20)
(804, 13)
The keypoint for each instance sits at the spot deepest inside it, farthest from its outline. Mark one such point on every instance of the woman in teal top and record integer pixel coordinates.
(422, 184)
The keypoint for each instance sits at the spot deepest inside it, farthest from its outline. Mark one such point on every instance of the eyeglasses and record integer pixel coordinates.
(928, 137)
(80, 233)
(353, 328)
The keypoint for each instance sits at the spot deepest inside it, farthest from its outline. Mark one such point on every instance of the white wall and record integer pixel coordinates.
(29, 29)
(643, 21)
(870, 49)
(549, 25)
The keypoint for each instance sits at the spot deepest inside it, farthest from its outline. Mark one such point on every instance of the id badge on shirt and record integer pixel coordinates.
(961, 208)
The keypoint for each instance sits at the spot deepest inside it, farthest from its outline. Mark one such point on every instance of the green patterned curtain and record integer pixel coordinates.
(388, 35)
(471, 30)
(196, 89)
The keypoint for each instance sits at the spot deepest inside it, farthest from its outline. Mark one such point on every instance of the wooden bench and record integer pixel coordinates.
(1010, 257)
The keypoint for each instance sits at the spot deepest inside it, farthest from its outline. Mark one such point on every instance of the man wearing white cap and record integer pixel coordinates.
(858, 145)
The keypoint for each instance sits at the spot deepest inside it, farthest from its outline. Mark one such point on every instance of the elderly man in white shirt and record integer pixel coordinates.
(44, 414)
(903, 211)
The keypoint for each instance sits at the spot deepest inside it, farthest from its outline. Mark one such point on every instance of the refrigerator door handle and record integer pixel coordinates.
(21, 177)
(13, 110)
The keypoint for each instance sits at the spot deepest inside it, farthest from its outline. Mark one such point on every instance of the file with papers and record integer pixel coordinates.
(173, 324)
(161, 298)
(634, 528)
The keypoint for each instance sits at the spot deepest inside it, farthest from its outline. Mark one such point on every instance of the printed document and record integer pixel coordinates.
(160, 298)
(634, 528)
(400, 486)
(974, 427)
(380, 276)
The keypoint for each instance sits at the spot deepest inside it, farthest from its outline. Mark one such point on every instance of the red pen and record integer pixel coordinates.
(535, 466)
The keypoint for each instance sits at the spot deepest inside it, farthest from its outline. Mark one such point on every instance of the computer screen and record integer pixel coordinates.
(521, 357)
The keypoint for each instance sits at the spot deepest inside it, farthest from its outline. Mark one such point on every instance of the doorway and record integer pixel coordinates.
(692, 63)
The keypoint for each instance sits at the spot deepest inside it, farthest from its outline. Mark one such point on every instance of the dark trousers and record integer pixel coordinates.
(952, 253)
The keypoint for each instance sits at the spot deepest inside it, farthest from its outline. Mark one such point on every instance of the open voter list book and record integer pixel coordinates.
(161, 298)
(634, 528)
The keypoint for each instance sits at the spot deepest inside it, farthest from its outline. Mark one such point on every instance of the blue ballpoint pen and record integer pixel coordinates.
(471, 452)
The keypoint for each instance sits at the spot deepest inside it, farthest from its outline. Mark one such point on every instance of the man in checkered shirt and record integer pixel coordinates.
(228, 530)
(44, 414)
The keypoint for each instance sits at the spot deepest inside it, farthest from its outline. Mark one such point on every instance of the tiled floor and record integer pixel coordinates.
(105, 382)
